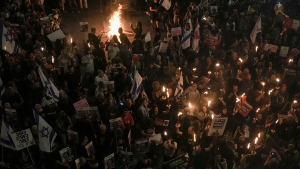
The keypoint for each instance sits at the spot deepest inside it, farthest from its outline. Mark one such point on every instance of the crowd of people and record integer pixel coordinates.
(182, 91)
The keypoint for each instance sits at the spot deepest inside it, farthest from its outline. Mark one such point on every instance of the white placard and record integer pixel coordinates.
(115, 123)
(56, 35)
(296, 24)
(23, 139)
(214, 7)
(163, 47)
(273, 48)
(148, 37)
(284, 51)
(109, 161)
(156, 138)
(65, 155)
(77, 162)
(218, 124)
(90, 148)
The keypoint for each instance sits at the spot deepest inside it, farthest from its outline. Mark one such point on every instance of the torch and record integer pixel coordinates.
(168, 99)
(178, 116)
(255, 141)
(291, 60)
(295, 101)
(242, 100)
(52, 59)
(209, 72)
(256, 48)
(277, 80)
(71, 40)
(258, 135)
(194, 69)
(208, 103)
(241, 60)
(217, 66)
(263, 83)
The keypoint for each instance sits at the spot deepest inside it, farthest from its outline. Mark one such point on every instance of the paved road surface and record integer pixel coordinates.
(70, 22)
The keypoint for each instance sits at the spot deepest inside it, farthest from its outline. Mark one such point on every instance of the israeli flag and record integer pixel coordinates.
(49, 87)
(187, 34)
(137, 85)
(7, 43)
(166, 3)
(179, 88)
(5, 138)
(45, 132)
(2, 90)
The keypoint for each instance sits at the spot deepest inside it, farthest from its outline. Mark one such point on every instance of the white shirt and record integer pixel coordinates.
(169, 151)
(103, 79)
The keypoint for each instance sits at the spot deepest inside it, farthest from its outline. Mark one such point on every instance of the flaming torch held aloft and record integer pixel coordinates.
(52, 59)
(178, 116)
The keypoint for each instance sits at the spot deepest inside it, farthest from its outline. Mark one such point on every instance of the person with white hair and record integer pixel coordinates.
(101, 77)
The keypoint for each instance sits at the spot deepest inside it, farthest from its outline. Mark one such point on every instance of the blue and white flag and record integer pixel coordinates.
(137, 85)
(166, 3)
(179, 88)
(7, 43)
(5, 139)
(49, 87)
(2, 90)
(187, 34)
(45, 132)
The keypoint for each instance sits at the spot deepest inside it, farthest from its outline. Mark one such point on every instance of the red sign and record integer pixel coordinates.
(245, 108)
(288, 23)
(211, 40)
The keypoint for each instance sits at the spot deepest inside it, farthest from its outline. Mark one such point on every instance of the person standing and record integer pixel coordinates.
(85, 4)
(154, 12)
(93, 39)
(170, 147)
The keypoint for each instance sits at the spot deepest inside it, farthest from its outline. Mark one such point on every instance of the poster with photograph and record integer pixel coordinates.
(159, 122)
(284, 50)
(109, 86)
(22, 139)
(142, 145)
(90, 148)
(163, 47)
(84, 26)
(295, 52)
(271, 47)
(72, 135)
(65, 155)
(213, 7)
(127, 159)
(109, 161)
(288, 23)
(219, 124)
(77, 163)
(93, 114)
(11, 114)
(115, 123)
(296, 24)
(82, 113)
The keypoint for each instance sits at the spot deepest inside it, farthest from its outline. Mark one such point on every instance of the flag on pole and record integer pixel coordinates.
(196, 38)
(2, 90)
(45, 132)
(5, 139)
(137, 85)
(49, 87)
(179, 88)
(187, 34)
(256, 29)
(166, 4)
(7, 43)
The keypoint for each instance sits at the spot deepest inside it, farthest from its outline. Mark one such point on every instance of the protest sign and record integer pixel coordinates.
(88, 113)
(283, 51)
(295, 52)
(109, 161)
(72, 135)
(166, 122)
(142, 145)
(84, 26)
(65, 154)
(109, 86)
(159, 122)
(296, 24)
(219, 124)
(11, 114)
(90, 148)
(273, 48)
(211, 40)
(115, 123)
(81, 103)
(166, 39)
(288, 23)
(77, 162)
(156, 138)
(244, 109)
(56, 35)
(127, 159)
(148, 37)
(176, 31)
(174, 163)
(163, 47)
(23, 139)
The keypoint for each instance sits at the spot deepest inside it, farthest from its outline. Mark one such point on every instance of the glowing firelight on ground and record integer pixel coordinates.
(115, 23)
